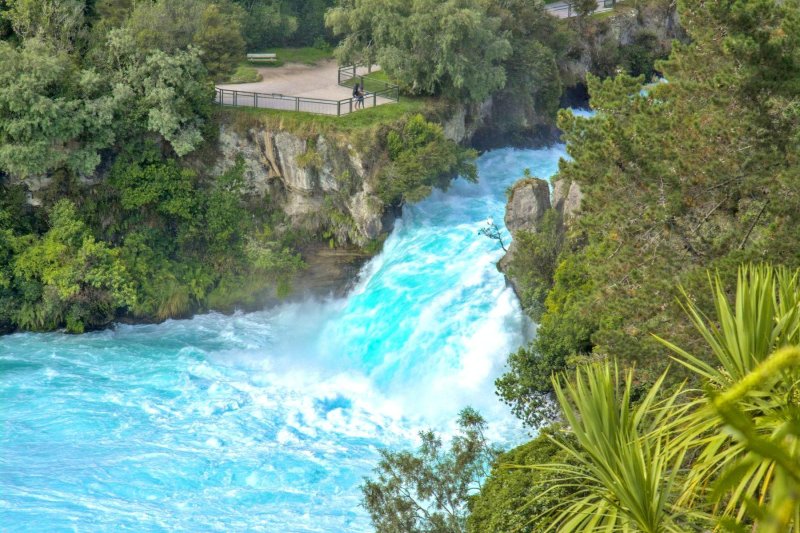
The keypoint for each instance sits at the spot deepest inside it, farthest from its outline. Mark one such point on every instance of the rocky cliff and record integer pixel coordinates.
(530, 199)
(631, 37)
(319, 181)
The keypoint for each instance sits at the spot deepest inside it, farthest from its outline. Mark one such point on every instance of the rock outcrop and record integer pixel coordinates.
(527, 203)
(567, 198)
(655, 23)
(319, 182)
(464, 121)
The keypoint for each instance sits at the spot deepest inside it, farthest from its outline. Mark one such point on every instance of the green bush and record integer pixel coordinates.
(420, 158)
(504, 502)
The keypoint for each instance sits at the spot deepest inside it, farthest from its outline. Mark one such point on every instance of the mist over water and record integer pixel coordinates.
(267, 421)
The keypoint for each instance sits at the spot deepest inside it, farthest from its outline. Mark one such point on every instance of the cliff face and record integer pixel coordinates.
(649, 28)
(318, 181)
(528, 202)
(486, 126)
(530, 199)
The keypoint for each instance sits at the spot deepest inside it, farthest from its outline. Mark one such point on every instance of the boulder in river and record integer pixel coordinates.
(527, 204)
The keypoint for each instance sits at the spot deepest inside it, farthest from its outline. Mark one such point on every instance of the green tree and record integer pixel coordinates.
(420, 158)
(220, 38)
(428, 491)
(112, 13)
(310, 21)
(83, 280)
(535, 260)
(533, 80)
(52, 115)
(157, 92)
(56, 22)
(172, 26)
(6, 30)
(448, 47)
(158, 189)
(504, 502)
(584, 8)
(268, 23)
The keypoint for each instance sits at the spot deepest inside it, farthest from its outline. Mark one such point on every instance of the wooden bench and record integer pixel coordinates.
(262, 57)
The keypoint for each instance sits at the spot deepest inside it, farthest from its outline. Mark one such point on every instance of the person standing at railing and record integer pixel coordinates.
(360, 102)
(355, 94)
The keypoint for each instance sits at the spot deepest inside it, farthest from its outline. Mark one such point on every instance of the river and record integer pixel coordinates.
(267, 421)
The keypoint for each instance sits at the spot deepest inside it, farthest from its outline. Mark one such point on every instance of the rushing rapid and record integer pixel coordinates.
(267, 421)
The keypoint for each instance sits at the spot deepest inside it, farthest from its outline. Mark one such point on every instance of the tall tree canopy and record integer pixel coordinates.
(215, 28)
(697, 173)
(52, 114)
(451, 47)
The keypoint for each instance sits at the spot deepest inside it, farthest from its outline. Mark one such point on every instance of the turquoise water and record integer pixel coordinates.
(267, 421)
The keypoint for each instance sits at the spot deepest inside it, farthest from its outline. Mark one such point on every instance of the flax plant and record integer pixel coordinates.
(723, 458)
(624, 473)
(745, 429)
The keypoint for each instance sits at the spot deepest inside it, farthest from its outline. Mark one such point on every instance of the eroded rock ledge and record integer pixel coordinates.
(528, 202)
(317, 181)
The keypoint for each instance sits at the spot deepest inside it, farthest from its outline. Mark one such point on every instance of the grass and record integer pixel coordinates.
(355, 121)
(380, 75)
(374, 82)
(306, 56)
(244, 74)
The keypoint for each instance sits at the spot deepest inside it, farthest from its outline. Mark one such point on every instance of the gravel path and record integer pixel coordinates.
(297, 79)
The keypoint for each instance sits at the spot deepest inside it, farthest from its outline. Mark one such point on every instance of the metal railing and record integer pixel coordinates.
(319, 106)
(377, 92)
(559, 8)
(348, 76)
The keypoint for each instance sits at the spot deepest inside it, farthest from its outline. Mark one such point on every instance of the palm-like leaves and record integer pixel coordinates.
(624, 473)
(742, 434)
(766, 317)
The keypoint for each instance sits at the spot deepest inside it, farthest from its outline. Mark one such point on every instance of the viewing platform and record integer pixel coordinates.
(324, 89)
(565, 8)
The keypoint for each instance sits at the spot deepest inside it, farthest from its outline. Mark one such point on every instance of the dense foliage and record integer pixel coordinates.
(725, 458)
(213, 28)
(158, 242)
(505, 500)
(285, 23)
(100, 105)
(461, 49)
(420, 158)
(262, 23)
(697, 173)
